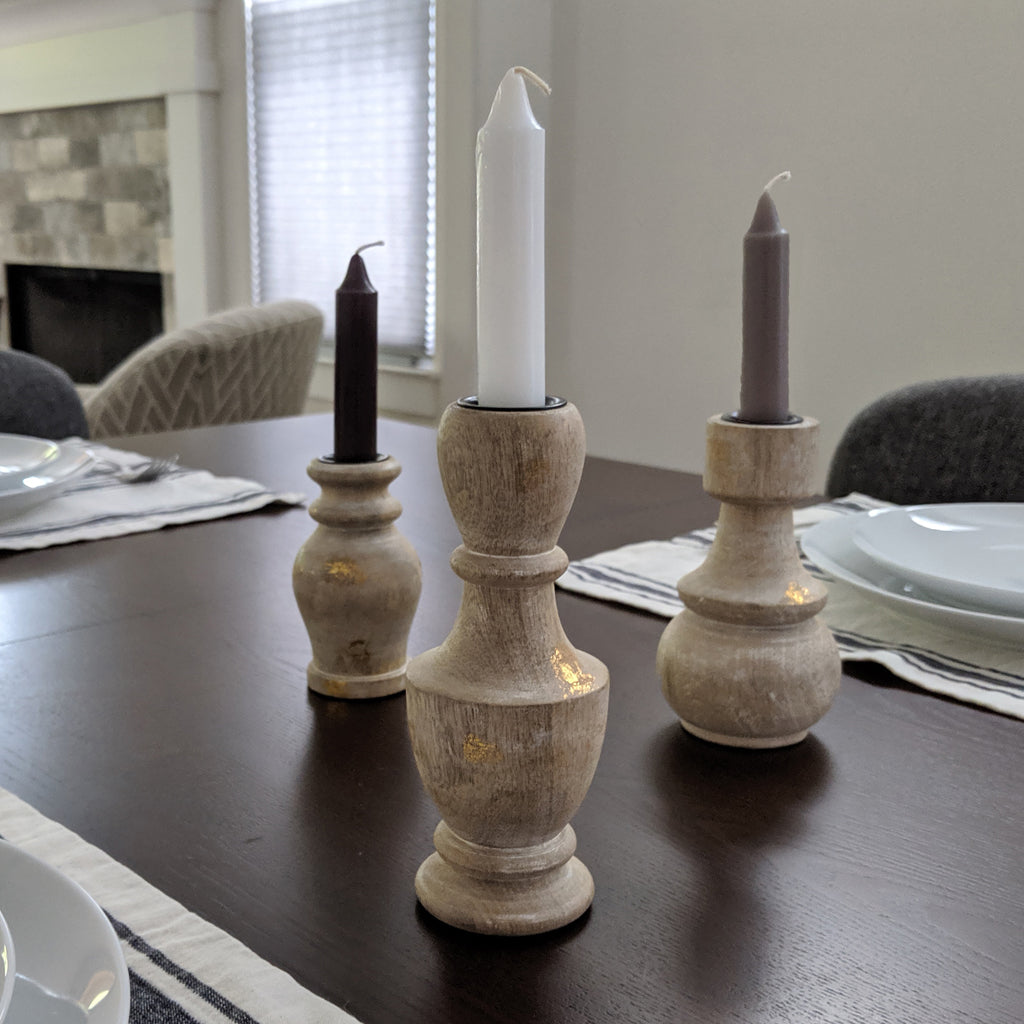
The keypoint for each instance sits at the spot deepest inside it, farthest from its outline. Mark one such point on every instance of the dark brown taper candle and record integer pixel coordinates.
(355, 365)
(764, 377)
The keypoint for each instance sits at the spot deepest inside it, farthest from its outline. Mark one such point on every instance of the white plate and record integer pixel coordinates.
(22, 456)
(830, 546)
(49, 481)
(969, 555)
(70, 964)
(7, 967)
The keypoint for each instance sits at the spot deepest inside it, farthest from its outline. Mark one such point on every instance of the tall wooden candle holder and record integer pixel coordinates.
(746, 663)
(506, 717)
(356, 581)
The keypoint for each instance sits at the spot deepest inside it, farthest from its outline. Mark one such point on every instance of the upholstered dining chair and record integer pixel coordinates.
(250, 363)
(38, 398)
(960, 439)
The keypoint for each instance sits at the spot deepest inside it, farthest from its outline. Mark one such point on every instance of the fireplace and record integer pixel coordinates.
(83, 319)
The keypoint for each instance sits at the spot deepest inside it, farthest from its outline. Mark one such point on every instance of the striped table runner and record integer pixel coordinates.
(974, 670)
(183, 970)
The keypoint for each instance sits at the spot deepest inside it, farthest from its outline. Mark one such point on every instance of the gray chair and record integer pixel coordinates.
(250, 363)
(38, 399)
(939, 441)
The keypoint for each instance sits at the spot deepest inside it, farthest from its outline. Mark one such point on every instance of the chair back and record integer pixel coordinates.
(250, 363)
(939, 441)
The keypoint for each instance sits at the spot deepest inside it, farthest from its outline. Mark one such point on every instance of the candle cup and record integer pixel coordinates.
(506, 717)
(747, 663)
(356, 581)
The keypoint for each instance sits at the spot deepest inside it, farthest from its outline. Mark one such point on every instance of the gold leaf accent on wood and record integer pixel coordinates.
(575, 682)
(478, 751)
(346, 570)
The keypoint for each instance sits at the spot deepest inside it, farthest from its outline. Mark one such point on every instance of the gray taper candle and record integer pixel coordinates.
(764, 377)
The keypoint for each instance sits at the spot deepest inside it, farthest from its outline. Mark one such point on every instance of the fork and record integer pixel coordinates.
(147, 471)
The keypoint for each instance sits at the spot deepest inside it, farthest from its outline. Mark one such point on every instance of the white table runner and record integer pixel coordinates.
(969, 669)
(99, 504)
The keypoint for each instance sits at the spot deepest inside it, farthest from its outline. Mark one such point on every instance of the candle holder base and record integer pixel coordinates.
(490, 891)
(750, 743)
(357, 582)
(747, 663)
(353, 687)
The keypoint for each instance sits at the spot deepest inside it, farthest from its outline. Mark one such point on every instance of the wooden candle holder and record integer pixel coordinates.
(506, 717)
(746, 663)
(356, 581)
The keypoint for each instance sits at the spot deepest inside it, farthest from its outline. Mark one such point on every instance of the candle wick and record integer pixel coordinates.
(531, 76)
(784, 176)
(369, 245)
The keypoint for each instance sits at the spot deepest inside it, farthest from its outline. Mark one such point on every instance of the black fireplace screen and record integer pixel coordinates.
(84, 320)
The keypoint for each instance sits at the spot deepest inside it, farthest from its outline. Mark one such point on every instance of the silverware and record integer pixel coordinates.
(147, 471)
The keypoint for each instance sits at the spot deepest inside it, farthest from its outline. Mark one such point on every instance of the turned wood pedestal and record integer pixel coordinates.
(506, 716)
(747, 663)
(356, 582)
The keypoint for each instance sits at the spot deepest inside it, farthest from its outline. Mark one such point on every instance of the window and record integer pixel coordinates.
(341, 119)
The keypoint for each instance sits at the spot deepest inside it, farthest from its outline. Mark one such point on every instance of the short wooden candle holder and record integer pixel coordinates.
(356, 581)
(506, 717)
(746, 663)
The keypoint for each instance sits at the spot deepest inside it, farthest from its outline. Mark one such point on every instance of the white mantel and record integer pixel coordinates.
(63, 53)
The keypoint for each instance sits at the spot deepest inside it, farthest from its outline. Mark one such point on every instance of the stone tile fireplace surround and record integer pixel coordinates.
(111, 135)
(88, 187)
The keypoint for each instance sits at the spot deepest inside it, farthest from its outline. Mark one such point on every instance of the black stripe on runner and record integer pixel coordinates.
(625, 581)
(951, 669)
(151, 1006)
(187, 978)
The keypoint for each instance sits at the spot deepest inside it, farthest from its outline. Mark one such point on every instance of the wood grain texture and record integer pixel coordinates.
(357, 582)
(506, 716)
(153, 700)
(746, 663)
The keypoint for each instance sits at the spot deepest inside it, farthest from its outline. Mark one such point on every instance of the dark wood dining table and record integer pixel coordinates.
(153, 699)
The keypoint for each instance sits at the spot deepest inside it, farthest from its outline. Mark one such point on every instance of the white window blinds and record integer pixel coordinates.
(341, 98)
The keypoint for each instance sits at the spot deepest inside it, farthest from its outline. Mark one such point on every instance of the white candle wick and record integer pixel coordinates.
(532, 76)
(369, 245)
(784, 176)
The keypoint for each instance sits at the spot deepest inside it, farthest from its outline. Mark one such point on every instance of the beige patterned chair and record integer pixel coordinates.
(249, 363)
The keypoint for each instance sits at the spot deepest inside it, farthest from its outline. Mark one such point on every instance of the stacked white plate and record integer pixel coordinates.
(33, 470)
(7, 968)
(960, 566)
(68, 961)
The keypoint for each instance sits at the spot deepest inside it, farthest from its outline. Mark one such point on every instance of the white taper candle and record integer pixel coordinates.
(510, 249)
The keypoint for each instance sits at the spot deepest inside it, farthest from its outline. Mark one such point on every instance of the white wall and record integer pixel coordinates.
(903, 125)
(234, 142)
